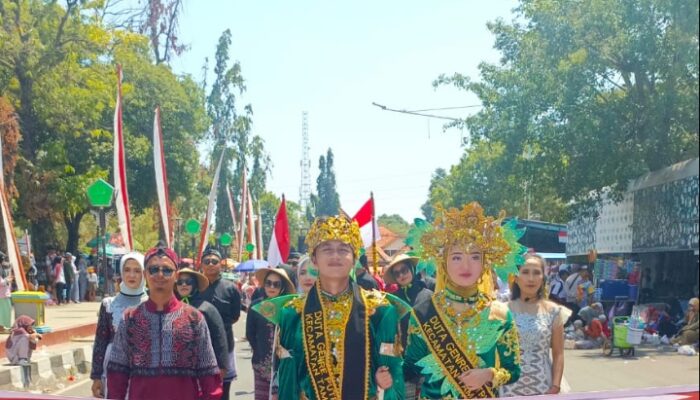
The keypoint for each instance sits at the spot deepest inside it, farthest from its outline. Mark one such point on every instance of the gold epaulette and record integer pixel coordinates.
(297, 303)
(499, 311)
(374, 299)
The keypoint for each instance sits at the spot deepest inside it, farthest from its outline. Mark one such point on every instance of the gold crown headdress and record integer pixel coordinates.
(335, 228)
(470, 229)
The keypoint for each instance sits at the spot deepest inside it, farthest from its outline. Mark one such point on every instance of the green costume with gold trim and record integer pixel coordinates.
(491, 335)
(383, 312)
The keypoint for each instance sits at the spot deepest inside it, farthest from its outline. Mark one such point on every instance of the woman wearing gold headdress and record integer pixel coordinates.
(462, 341)
(337, 341)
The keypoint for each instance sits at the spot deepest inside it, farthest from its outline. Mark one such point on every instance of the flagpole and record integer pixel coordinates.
(374, 237)
(243, 218)
(258, 233)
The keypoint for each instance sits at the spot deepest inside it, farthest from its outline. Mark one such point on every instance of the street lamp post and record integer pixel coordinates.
(100, 194)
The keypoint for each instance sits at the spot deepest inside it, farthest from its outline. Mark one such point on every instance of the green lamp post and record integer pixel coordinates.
(100, 195)
(192, 227)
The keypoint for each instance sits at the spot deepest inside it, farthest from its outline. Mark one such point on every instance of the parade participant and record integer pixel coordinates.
(162, 350)
(337, 341)
(306, 275)
(463, 342)
(132, 292)
(189, 287)
(688, 334)
(5, 301)
(223, 294)
(260, 333)
(22, 341)
(541, 328)
(556, 287)
(402, 272)
(363, 277)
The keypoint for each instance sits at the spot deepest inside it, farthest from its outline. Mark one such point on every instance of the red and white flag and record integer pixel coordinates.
(368, 225)
(242, 215)
(204, 235)
(232, 210)
(120, 185)
(13, 254)
(161, 179)
(278, 251)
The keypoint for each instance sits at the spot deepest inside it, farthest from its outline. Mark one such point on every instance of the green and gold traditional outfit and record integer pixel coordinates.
(330, 346)
(443, 342)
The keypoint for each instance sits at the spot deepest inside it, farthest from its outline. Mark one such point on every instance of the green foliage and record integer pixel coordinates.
(230, 131)
(328, 202)
(394, 223)
(587, 95)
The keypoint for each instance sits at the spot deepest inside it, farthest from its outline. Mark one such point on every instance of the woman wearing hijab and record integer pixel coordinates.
(463, 342)
(132, 292)
(689, 332)
(401, 271)
(189, 287)
(260, 333)
(22, 341)
(306, 275)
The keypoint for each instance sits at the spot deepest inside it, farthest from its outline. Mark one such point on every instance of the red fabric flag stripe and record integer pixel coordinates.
(282, 231)
(364, 216)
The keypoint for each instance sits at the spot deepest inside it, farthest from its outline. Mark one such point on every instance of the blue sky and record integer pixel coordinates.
(333, 59)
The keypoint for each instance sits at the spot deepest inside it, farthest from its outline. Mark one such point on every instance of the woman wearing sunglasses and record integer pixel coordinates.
(260, 333)
(402, 272)
(189, 287)
(132, 292)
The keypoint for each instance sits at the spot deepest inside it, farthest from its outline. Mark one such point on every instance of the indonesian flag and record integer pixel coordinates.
(365, 218)
(161, 179)
(120, 185)
(13, 253)
(278, 251)
(204, 236)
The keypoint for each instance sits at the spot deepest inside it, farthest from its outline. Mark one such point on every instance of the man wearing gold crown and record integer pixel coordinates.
(462, 340)
(338, 341)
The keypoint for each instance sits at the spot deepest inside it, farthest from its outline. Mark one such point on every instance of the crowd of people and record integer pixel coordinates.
(490, 323)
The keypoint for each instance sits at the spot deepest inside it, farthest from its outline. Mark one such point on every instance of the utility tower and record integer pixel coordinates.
(305, 188)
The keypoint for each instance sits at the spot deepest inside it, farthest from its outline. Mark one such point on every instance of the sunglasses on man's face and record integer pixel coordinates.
(185, 282)
(210, 261)
(155, 269)
(273, 284)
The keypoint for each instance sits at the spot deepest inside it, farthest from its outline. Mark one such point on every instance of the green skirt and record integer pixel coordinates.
(6, 313)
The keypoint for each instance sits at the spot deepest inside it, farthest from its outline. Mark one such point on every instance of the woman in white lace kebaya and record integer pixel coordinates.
(541, 326)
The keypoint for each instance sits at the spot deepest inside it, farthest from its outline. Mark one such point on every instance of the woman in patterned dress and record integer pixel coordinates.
(541, 326)
(261, 334)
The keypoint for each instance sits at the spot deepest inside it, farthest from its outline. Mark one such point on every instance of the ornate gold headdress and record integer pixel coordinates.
(470, 229)
(335, 228)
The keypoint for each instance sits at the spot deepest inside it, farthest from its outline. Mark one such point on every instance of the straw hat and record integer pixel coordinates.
(202, 281)
(261, 274)
(388, 276)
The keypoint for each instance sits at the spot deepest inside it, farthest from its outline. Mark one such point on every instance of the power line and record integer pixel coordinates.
(420, 112)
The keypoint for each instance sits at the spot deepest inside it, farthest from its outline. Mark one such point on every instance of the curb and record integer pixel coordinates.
(48, 369)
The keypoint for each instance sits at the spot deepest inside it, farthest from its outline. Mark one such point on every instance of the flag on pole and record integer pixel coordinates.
(251, 226)
(232, 209)
(13, 254)
(368, 226)
(244, 204)
(204, 235)
(161, 179)
(120, 184)
(278, 251)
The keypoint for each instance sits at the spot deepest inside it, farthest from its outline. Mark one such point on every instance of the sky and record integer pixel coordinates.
(333, 59)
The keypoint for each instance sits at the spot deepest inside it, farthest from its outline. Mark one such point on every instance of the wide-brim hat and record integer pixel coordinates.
(401, 258)
(261, 274)
(202, 281)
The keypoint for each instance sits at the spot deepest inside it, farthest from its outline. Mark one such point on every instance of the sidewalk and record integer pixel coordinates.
(67, 322)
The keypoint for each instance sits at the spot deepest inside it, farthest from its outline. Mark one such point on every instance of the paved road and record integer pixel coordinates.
(585, 370)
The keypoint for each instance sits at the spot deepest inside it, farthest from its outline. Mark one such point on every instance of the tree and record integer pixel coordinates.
(589, 94)
(231, 133)
(394, 223)
(328, 201)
